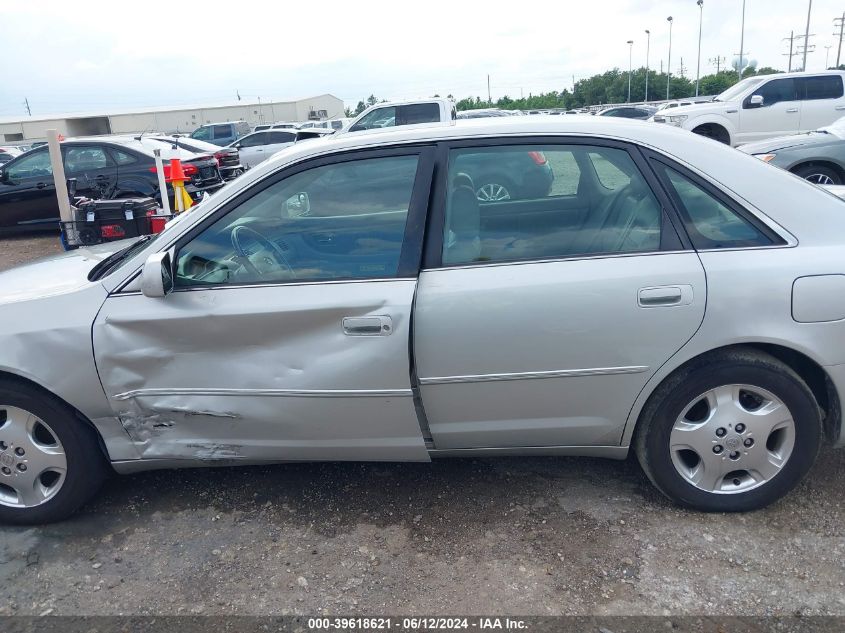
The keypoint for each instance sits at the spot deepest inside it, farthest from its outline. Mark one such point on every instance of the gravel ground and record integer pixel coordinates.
(510, 536)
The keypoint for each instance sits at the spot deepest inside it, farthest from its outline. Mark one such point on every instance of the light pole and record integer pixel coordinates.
(700, 25)
(742, 43)
(647, 47)
(827, 56)
(630, 66)
(669, 65)
(807, 35)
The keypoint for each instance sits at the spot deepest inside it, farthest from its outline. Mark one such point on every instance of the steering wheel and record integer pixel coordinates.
(277, 255)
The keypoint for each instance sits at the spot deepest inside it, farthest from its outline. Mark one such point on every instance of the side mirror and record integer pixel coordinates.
(298, 205)
(756, 101)
(157, 275)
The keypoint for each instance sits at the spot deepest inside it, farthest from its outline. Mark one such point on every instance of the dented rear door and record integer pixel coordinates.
(310, 363)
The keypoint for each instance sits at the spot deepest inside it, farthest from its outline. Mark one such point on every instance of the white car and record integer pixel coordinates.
(428, 112)
(764, 106)
(257, 147)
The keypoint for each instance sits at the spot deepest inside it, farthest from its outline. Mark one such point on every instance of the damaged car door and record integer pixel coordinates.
(286, 334)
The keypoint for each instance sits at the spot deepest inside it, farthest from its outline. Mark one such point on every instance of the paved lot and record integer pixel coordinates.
(509, 536)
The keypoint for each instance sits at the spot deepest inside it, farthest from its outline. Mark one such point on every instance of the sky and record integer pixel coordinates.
(100, 55)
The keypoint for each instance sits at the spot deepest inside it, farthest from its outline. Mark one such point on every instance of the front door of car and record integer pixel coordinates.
(93, 168)
(779, 114)
(540, 326)
(251, 148)
(28, 193)
(286, 336)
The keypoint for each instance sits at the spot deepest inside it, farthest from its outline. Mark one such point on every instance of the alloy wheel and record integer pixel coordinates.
(820, 179)
(493, 192)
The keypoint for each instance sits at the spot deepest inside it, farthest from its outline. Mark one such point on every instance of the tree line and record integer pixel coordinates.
(608, 87)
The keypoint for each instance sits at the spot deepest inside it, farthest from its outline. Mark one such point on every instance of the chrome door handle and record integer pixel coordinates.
(792, 110)
(842, 107)
(381, 325)
(665, 296)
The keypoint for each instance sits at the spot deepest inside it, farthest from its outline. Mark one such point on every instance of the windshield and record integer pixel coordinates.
(837, 128)
(737, 89)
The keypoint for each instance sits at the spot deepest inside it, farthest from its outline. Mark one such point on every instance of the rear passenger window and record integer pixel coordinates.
(417, 113)
(709, 222)
(520, 202)
(829, 87)
(222, 131)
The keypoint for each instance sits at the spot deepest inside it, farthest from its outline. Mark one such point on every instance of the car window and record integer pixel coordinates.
(378, 118)
(31, 165)
(710, 223)
(122, 158)
(557, 205)
(254, 140)
(338, 221)
(202, 134)
(282, 137)
(824, 87)
(82, 159)
(222, 131)
(776, 91)
(417, 113)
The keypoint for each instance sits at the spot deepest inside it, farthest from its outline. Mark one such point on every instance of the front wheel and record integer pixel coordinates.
(819, 175)
(50, 461)
(731, 434)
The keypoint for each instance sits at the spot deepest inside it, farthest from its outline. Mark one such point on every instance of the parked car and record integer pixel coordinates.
(765, 106)
(673, 104)
(817, 156)
(481, 113)
(228, 158)
(221, 133)
(104, 167)
(8, 152)
(262, 126)
(640, 112)
(256, 147)
(334, 124)
(499, 176)
(352, 300)
(429, 112)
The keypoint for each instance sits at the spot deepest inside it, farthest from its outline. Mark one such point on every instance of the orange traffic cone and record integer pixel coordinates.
(175, 175)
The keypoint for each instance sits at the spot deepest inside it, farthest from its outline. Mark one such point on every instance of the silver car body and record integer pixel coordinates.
(537, 357)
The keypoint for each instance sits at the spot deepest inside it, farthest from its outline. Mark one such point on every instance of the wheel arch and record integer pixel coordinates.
(10, 377)
(817, 379)
(720, 121)
(715, 131)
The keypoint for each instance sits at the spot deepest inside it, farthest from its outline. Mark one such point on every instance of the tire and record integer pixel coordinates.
(679, 431)
(58, 439)
(819, 175)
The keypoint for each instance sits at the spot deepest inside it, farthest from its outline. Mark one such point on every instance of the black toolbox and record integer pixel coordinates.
(98, 221)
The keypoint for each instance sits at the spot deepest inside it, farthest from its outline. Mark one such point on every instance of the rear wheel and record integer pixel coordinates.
(734, 432)
(50, 461)
(819, 174)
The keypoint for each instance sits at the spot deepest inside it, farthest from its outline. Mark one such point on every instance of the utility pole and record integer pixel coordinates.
(803, 50)
(669, 65)
(841, 26)
(717, 62)
(827, 56)
(647, 48)
(630, 66)
(682, 69)
(807, 34)
(489, 97)
(26, 103)
(700, 25)
(742, 42)
(791, 39)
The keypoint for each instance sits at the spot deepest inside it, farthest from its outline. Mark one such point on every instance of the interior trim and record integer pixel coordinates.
(534, 375)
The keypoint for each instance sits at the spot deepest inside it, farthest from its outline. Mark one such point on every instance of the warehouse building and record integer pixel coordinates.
(181, 119)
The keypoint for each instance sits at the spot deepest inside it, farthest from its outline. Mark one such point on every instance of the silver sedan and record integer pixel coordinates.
(355, 300)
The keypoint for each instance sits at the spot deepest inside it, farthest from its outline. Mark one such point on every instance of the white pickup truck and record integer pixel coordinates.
(764, 106)
(390, 114)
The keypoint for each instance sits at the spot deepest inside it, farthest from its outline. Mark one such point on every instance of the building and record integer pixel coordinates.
(182, 119)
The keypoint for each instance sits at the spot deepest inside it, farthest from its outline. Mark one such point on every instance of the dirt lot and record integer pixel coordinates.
(509, 536)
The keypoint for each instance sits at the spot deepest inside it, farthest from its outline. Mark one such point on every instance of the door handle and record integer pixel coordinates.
(41, 185)
(665, 296)
(842, 107)
(792, 110)
(381, 325)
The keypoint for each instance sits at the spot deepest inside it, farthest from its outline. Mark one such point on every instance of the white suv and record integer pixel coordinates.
(761, 107)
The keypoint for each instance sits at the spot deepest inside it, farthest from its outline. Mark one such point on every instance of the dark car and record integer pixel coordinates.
(817, 156)
(630, 112)
(108, 168)
(500, 176)
(228, 158)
